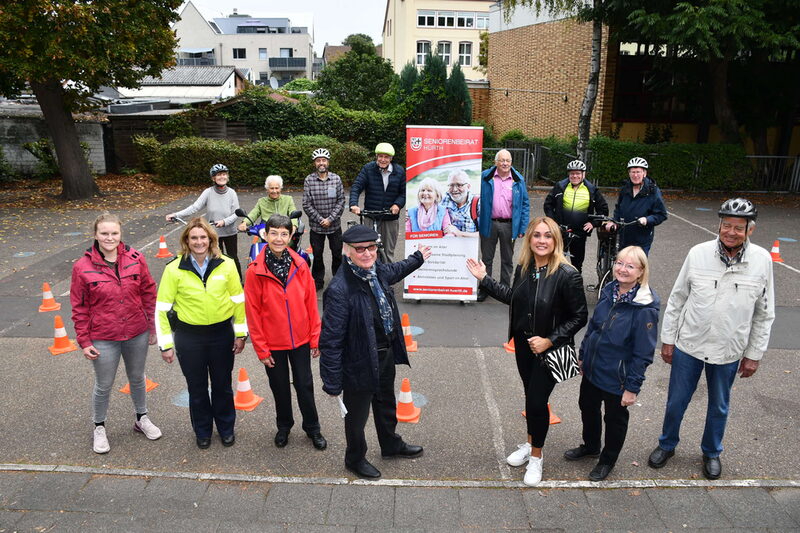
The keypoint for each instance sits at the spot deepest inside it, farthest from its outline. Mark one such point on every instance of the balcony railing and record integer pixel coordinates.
(287, 63)
(195, 61)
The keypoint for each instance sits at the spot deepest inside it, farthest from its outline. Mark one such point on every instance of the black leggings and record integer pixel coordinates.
(229, 246)
(538, 384)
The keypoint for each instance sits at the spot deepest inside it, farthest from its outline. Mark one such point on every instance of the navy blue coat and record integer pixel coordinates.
(620, 341)
(376, 198)
(648, 203)
(349, 358)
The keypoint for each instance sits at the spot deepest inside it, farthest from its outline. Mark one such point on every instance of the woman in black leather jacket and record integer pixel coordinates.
(547, 308)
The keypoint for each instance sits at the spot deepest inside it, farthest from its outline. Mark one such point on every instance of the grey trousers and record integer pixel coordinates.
(501, 233)
(388, 230)
(134, 353)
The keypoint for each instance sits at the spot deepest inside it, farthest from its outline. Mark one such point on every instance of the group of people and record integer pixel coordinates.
(717, 319)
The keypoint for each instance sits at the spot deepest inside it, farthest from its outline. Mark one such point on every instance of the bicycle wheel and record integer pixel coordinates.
(607, 277)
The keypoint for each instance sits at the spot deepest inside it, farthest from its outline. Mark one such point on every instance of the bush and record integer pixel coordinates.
(45, 152)
(148, 151)
(186, 160)
(7, 173)
(300, 84)
(513, 135)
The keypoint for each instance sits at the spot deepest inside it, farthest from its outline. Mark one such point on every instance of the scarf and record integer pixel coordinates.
(426, 218)
(371, 277)
(279, 266)
(627, 297)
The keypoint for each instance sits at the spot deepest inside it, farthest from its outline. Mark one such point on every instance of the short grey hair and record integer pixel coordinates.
(503, 152)
(277, 179)
(457, 173)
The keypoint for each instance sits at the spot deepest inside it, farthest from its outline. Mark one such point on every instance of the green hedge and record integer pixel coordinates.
(186, 160)
(148, 151)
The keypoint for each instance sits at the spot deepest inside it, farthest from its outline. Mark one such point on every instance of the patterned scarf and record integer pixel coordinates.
(627, 297)
(371, 276)
(279, 265)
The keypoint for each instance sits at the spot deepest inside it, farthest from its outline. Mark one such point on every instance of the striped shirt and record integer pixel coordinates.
(323, 199)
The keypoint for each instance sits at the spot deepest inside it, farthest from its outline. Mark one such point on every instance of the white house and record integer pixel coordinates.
(187, 84)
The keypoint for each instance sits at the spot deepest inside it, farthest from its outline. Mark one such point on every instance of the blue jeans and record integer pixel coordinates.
(683, 380)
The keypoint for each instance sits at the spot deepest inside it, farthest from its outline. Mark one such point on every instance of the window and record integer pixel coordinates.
(465, 54)
(286, 52)
(465, 20)
(423, 49)
(482, 20)
(426, 18)
(443, 50)
(240, 53)
(445, 19)
(262, 54)
(263, 78)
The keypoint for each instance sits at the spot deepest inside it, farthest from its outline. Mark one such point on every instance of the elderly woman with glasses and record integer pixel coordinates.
(616, 351)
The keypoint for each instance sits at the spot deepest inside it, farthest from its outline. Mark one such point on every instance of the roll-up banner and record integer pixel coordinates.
(443, 189)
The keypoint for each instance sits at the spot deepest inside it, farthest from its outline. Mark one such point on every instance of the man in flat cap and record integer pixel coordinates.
(361, 341)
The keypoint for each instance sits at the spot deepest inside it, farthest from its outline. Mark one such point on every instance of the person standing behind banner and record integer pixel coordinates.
(505, 211)
(428, 214)
(548, 308)
(203, 289)
(113, 299)
(282, 315)
(323, 202)
(384, 186)
(462, 205)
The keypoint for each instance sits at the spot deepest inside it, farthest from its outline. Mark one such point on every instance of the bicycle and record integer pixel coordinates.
(607, 249)
(569, 236)
(376, 217)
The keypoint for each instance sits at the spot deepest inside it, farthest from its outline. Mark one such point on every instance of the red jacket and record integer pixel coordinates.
(109, 307)
(278, 317)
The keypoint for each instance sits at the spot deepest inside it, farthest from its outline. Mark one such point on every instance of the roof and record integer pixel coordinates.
(193, 75)
(228, 25)
(333, 52)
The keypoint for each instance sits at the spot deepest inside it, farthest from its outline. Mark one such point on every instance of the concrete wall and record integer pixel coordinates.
(18, 130)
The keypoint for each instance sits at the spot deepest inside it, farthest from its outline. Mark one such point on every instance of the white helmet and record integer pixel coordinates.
(637, 162)
(320, 152)
(576, 165)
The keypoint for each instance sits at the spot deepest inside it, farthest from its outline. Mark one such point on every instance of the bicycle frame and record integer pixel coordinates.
(607, 249)
(374, 216)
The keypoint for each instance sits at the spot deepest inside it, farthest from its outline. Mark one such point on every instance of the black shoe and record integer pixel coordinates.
(319, 285)
(203, 442)
(712, 468)
(318, 441)
(600, 472)
(579, 453)
(228, 440)
(659, 457)
(408, 451)
(364, 469)
(481, 296)
(282, 438)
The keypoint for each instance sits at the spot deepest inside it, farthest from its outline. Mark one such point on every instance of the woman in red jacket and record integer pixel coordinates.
(113, 299)
(283, 319)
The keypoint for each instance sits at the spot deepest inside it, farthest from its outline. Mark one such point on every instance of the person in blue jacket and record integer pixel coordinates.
(615, 352)
(639, 199)
(504, 215)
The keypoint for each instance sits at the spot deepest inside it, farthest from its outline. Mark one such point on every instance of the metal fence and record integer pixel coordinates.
(775, 173)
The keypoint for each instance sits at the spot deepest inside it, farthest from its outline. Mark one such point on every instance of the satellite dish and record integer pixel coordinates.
(273, 82)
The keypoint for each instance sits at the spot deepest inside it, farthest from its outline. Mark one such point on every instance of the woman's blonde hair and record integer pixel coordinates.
(636, 253)
(213, 240)
(557, 258)
(431, 184)
(105, 217)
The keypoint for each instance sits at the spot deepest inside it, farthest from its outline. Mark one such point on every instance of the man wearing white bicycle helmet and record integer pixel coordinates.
(570, 203)
(639, 199)
(323, 202)
(717, 321)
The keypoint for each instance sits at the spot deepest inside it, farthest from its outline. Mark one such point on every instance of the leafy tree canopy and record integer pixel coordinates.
(360, 43)
(357, 80)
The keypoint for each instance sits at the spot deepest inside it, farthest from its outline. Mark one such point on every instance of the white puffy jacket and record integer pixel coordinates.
(720, 314)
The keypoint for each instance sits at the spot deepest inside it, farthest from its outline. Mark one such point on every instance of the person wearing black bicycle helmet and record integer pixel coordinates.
(717, 321)
(639, 199)
(570, 203)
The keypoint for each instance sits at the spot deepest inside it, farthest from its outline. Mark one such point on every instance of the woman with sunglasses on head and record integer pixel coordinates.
(615, 352)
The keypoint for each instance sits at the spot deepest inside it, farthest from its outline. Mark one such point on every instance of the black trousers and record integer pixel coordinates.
(616, 419)
(384, 413)
(300, 361)
(538, 383)
(577, 249)
(318, 247)
(230, 247)
(206, 352)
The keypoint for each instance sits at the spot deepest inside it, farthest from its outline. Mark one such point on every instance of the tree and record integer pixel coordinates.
(429, 95)
(483, 53)
(67, 49)
(459, 102)
(356, 81)
(361, 43)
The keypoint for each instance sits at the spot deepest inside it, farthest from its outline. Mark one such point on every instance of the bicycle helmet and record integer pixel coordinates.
(320, 152)
(637, 162)
(216, 169)
(738, 207)
(576, 165)
(384, 148)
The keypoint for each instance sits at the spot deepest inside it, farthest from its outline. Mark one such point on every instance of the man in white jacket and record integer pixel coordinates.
(718, 319)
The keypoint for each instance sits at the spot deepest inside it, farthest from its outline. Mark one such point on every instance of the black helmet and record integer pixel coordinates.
(738, 207)
(216, 169)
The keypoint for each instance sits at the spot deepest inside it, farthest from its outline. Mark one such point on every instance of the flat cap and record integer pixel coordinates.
(359, 233)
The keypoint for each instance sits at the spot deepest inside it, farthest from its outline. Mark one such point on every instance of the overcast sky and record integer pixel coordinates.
(331, 20)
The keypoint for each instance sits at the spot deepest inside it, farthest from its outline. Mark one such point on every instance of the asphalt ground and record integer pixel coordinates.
(466, 385)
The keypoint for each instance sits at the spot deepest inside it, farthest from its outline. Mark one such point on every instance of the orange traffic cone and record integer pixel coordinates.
(162, 248)
(406, 410)
(61, 343)
(148, 386)
(509, 346)
(48, 302)
(553, 418)
(245, 399)
(411, 344)
(776, 252)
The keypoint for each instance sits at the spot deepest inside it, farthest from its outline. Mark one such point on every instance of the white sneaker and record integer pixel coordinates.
(520, 457)
(100, 440)
(144, 425)
(533, 472)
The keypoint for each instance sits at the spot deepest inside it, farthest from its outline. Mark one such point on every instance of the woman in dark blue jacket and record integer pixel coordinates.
(616, 351)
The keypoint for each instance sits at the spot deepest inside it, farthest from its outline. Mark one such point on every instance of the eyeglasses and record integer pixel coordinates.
(362, 249)
(626, 266)
(457, 185)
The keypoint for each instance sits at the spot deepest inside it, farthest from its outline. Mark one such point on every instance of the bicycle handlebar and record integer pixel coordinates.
(605, 218)
(376, 212)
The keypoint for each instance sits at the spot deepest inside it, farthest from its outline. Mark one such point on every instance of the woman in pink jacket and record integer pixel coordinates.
(113, 299)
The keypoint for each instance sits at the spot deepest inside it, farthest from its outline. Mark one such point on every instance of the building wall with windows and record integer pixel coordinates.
(450, 28)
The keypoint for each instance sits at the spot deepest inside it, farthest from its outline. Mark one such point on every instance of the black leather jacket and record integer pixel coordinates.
(559, 305)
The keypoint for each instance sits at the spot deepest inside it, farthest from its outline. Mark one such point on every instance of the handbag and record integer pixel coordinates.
(562, 362)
